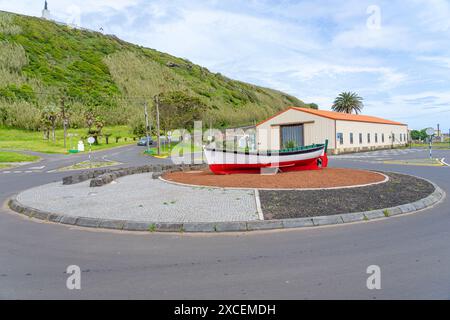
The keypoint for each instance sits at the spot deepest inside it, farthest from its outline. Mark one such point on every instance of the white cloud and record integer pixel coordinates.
(312, 49)
(434, 14)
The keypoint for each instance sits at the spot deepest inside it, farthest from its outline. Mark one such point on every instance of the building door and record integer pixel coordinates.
(292, 136)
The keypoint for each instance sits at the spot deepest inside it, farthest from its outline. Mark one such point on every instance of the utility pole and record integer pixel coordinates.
(157, 125)
(147, 128)
(64, 117)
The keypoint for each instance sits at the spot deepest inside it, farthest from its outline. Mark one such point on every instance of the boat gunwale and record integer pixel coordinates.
(269, 153)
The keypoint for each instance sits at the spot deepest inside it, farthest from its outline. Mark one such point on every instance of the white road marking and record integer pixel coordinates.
(37, 168)
(258, 205)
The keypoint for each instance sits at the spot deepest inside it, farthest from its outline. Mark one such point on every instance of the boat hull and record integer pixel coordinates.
(224, 162)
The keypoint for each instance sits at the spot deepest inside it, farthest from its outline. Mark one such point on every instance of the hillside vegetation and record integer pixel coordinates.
(42, 61)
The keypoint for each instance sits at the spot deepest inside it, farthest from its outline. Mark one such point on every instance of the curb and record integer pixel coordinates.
(232, 226)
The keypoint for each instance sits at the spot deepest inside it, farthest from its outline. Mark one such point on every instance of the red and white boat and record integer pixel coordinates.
(311, 157)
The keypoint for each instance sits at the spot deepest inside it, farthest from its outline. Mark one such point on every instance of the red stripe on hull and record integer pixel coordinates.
(309, 164)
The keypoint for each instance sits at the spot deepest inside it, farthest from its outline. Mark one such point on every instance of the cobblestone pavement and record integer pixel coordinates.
(141, 198)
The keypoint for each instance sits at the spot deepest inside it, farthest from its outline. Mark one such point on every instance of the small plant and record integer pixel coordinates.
(290, 144)
(152, 227)
(386, 213)
(365, 218)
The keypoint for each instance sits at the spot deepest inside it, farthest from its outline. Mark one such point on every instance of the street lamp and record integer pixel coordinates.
(430, 133)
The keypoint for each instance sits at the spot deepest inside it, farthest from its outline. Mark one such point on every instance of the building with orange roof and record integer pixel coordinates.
(344, 132)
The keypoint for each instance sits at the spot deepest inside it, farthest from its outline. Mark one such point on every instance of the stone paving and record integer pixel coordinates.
(141, 198)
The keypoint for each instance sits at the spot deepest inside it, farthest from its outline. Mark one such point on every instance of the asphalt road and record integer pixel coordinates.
(412, 251)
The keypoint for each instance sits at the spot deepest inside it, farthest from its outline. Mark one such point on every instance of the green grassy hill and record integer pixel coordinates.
(41, 61)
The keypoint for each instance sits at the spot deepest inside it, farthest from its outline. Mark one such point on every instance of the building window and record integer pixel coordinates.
(360, 138)
(340, 138)
(393, 137)
(351, 138)
(382, 137)
(401, 137)
(376, 137)
(368, 138)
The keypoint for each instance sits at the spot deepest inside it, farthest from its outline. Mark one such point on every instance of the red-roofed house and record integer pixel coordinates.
(345, 132)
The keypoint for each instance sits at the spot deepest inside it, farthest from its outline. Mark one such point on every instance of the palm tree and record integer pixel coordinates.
(348, 102)
(49, 117)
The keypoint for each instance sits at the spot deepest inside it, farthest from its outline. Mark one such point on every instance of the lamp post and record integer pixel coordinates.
(430, 133)
(146, 127)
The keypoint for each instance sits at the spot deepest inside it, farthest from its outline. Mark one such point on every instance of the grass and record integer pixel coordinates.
(5, 166)
(6, 156)
(90, 68)
(176, 147)
(88, 165)
(435, 145)
(417, 162)
(16, 139)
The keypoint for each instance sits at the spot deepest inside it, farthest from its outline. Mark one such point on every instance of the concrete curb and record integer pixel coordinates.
(232, 226)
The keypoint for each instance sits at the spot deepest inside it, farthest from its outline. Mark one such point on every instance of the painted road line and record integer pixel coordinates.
(258, 205)
(445, 163)
(37, 168)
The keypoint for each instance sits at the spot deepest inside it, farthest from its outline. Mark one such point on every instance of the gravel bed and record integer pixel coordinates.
(325, 178)
(400, 189)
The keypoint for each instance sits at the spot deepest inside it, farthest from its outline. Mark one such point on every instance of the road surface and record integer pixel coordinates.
(412, 251)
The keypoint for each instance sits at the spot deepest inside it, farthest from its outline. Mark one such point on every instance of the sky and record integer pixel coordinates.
(395, 54)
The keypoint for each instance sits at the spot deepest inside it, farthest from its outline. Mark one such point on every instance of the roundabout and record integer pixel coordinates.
(244, 264)
(181, 199)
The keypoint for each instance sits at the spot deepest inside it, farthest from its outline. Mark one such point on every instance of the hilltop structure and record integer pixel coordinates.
(46, 12)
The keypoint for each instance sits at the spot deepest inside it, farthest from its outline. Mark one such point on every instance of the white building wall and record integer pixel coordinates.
(400, 133)
(316, 129)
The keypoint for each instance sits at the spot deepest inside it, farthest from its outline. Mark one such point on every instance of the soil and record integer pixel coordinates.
(324, 178)
(400, 189)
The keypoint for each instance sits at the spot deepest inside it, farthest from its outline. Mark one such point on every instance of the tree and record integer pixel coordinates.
(348, 102)
(45, 124)
(419, 134)
(180, 110)
(99, 123)
(89, 117)
(313, 106)
(49, 117)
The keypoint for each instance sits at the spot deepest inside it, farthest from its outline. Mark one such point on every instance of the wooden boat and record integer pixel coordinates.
(311, 157)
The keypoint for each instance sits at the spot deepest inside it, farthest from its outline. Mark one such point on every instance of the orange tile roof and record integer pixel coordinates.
(339, 116)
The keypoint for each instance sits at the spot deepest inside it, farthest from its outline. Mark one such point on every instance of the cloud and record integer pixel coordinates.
(311, 49)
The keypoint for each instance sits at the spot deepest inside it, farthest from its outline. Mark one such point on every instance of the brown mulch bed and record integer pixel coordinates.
(325, 178)
(400, 189)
